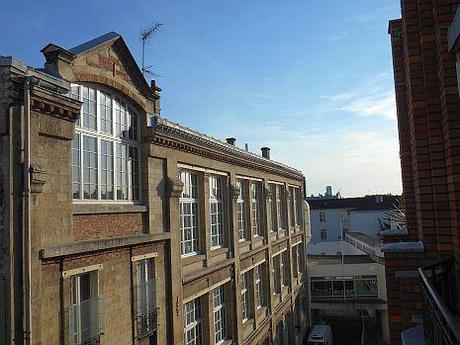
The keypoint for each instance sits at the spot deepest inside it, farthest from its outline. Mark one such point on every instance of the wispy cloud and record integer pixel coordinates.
(374, 97)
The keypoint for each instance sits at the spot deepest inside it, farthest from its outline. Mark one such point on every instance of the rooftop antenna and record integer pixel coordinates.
(145, 36)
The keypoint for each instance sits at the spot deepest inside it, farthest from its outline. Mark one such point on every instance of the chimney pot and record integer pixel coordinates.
(265, 152)
(231, 141)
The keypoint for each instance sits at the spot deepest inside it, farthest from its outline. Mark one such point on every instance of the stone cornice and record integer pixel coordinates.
(173, 135)
(53, 104)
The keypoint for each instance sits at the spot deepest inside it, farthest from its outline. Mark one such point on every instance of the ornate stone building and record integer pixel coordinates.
(121, 227)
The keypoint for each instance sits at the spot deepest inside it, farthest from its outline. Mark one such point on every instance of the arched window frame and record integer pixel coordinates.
(121, 134)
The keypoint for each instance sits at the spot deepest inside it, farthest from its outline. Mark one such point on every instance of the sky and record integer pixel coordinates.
(312, 79)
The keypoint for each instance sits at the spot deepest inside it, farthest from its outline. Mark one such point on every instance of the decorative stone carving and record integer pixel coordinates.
(234, 191)
(174, 187)
(37, 178)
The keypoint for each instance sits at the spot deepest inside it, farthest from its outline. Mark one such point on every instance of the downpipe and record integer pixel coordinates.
(28, 81)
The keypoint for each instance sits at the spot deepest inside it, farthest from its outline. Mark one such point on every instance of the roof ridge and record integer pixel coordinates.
(112, 35)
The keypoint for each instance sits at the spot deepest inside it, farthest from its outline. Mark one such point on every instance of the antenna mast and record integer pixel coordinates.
(145, 36)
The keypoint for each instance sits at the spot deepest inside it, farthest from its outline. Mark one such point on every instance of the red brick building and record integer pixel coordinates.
(428, 108)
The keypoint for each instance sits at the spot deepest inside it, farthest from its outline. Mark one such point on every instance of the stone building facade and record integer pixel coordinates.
(119, 226)
(428, 110)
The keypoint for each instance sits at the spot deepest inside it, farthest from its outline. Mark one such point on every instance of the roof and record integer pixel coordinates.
(371, 241)
(333, 248)
(219, 144)
(366, 203)
(110, 36)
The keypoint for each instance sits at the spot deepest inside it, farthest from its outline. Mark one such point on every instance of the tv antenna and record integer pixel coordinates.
(145, 36)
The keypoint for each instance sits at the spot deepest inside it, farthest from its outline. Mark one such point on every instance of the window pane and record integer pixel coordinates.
(90, 168)
(76, 173)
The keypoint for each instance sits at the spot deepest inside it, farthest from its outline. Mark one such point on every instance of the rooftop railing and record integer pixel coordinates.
(439, 295)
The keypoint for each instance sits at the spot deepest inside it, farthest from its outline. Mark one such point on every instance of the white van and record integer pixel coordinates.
(320, 335)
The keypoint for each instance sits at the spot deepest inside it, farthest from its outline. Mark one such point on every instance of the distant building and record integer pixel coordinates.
(347, 282)
(331, 218)
(327, 195)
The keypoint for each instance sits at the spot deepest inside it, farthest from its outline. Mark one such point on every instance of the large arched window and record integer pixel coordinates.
(105, 149)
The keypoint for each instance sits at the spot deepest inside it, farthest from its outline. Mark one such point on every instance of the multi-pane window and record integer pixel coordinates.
(215, 210)
(84, 323)
(218, 297)
(322, 216)
(295, 261)
(146, 293)
(299, 255)
(323, 234)
(259, 286)
(241, 201)
(273, 208)
(281, 206)
(188, 204)
(193, 332)
(245, 312)
(284, 268)
(298, 206)
(277, 273)
(255, 199)
(105, 166)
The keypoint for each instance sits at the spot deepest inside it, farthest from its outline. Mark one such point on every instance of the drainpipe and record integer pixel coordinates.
(27, 233)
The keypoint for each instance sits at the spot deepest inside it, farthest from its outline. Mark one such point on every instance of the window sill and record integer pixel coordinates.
(188, 260)
(243, 243)
(103, 208)
(218, 250)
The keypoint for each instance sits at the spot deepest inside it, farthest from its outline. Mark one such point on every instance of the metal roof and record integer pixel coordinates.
(111, 36)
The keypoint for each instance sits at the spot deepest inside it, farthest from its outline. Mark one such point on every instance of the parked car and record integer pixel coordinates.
(320, 335)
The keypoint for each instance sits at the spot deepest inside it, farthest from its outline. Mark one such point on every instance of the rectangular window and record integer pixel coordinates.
(298, 206)
(105, 110)
(259, 285)
(322, 216)
(89, 108)
(255, 200)
(84, 322)
(292, 208)
(146, 318)
(215, 211)
(193, 333)
(106, 170)
(219, 314)
(323, 234)
(281, 206)
(241, 201)
(90, 182)
(120, 119)
(277, 273)
(273, 209)
(299, 254)
(285, 268)
(295, 261)
(245, 312)
(76, 167)
(122, 172)
(189, 217)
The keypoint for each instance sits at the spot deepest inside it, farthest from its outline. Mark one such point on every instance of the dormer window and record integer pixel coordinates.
(105, 151)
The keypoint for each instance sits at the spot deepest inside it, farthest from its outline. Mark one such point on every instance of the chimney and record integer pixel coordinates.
(156, 91)
(58, 61)
(246, 147)
(231, 141)
(265, 152)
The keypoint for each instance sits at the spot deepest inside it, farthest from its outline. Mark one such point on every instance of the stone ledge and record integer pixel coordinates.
(403, 247)
(99, 245)
(96, 208)
(208, 270)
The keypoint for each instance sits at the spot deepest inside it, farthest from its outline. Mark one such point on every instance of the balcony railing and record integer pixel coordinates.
(146, 324)
(439, 295)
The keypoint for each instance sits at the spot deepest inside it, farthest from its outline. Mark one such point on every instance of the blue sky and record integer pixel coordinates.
(310, 78)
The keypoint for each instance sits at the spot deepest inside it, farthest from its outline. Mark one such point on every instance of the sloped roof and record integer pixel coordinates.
(369, 203)
(110, 36)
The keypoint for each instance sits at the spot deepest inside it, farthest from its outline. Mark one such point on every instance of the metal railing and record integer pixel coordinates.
(439, 296)
(147, 323)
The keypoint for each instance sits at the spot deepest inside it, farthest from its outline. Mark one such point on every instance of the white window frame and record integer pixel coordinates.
(259, 286)
(219, 313)
(194, 327)
(190, 196)
(241, 212)
(255, 208)
(132, 165)
(245, 305)
(216, 190)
